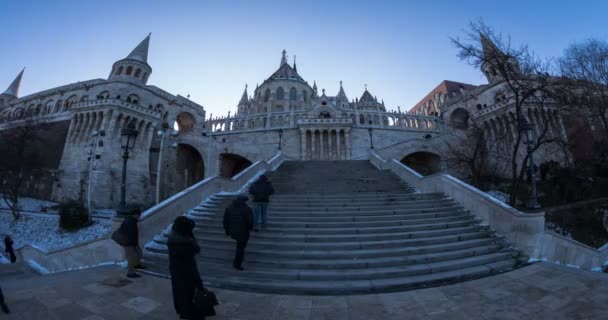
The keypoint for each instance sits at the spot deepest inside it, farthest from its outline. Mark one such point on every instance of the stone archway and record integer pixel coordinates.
(425, 163)
(190, 167)
(232, 164)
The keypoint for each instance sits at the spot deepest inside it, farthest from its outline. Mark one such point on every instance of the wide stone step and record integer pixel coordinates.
(354, 237)
(346, 230)
(252, 272)
(278, 223)
(353, 245)
(255, 251)
(342, 213)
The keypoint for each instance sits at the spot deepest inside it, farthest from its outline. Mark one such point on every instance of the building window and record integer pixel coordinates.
(119, 72)
(129, 70)
(293, 94)
(137, 73)
(280, 93)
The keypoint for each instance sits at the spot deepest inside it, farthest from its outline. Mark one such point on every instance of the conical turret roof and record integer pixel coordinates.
(140, 53)
(245, 97)
(13, 89)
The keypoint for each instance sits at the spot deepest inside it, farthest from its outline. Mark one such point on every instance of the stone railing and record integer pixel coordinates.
(325, 121)
(105, 251)
(155, 219)
(115, 102)
(526, 231)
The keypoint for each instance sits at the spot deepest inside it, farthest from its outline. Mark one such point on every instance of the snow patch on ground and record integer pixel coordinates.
(30, 204)
(42, 231)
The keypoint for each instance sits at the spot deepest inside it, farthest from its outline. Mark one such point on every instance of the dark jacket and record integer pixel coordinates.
(261, 190)
(185, 277)
(238, 220)
(8, 246)
(129, 228)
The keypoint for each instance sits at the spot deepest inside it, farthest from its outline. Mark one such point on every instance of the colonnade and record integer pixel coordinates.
(325, 143)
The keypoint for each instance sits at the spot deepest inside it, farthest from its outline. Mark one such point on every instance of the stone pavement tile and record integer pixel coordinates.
(246, 305)
(328, 314)
(141, 304)
(552, 302)
(108, 310)
(97, 288)
(400, 302)
(295, 301)
(333, 302)
(30, 309)
(93, 317)
(433, 301)
(581, 309)
(285, 312)
(71, 311)
(54, 302)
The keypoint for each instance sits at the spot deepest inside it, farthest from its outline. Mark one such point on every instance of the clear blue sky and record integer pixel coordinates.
(210, 49)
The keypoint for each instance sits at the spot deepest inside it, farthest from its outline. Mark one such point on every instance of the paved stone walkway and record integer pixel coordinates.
(539, 291)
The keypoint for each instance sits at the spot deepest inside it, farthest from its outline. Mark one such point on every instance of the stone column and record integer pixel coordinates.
(313, 144)
(321, 145)
(339, 156)
(330, 142)
(347, 144)
(303, 147)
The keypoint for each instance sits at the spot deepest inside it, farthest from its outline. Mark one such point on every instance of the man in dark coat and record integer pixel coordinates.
(238, 222)
(261, 190)
(3, 304)
(185, 277)
(132, 250)
(8, 248)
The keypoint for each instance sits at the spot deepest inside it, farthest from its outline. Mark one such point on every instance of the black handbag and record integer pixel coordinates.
(119, 237)
(205, 302)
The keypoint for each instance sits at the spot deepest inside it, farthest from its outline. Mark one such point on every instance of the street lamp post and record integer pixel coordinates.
(371, 137)
(528, 130)
(280, 137)
(128, 136)
(92, 165)
(162, 133)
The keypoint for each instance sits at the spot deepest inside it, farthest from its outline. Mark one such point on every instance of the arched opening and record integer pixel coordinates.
(232, 164)
(184, 122)
(280, 93)
(423, 162)
(137, 73)
(459, 119)
(129, 70)
(266, 95)
(293, 94)
(119, 72)
(190, 168)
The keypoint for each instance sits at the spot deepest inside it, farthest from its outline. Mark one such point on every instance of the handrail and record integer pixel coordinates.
(526, 231)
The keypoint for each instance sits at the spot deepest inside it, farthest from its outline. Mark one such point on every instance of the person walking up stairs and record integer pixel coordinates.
(261, 190)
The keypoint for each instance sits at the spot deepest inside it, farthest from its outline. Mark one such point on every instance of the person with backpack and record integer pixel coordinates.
(261, 190)
(128, 234)
(238, 222)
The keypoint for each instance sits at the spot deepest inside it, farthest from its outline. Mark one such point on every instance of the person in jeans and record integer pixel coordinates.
(261, 190)
(3, 304)
(132, 250)
(238, 221)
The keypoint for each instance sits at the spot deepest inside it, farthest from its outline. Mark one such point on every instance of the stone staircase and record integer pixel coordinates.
(342, 227)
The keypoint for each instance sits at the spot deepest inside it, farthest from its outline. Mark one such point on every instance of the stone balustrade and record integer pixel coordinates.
(115, 102)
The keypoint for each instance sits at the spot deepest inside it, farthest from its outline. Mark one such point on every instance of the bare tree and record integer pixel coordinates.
(19, 145)
(529, 88)
(585, 65)
(470, 150)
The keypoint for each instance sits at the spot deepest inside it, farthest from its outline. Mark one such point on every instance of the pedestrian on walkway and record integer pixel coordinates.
(8, 248)
(261, 190)
(185, 277)
(3, 304)
(133, 252)
(238, 222)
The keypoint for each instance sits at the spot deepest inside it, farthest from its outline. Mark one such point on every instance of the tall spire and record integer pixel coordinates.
(314, 86)
(13, 89)
(244, 98)
(140, 53)
(284, 58)
(341, 93)
(488, 45)
(294, 64)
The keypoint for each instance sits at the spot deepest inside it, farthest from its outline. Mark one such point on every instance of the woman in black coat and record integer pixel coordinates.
(8, 248)
(185, 277)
